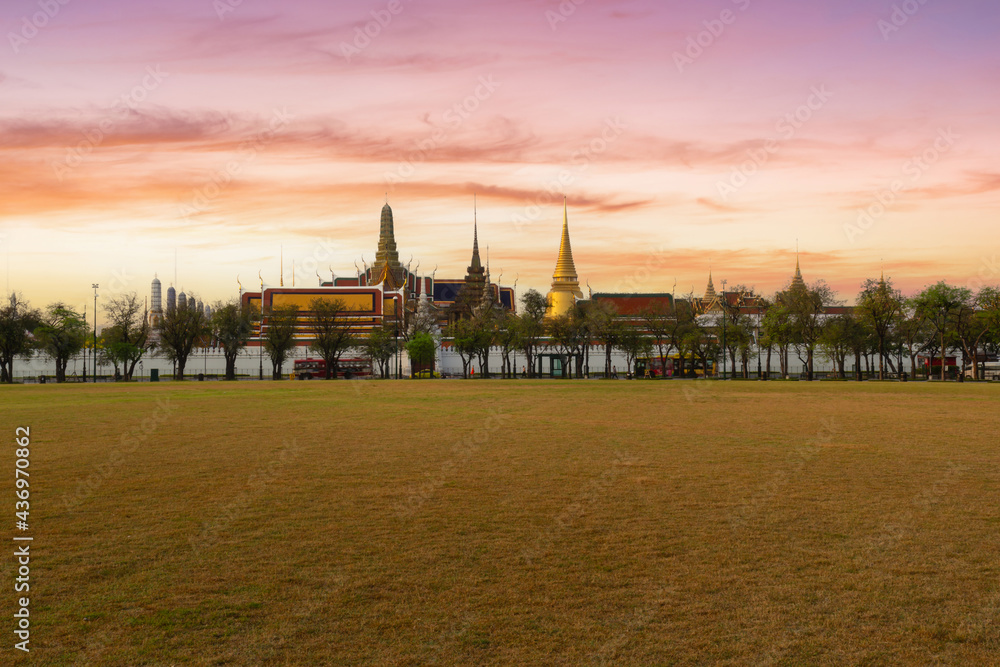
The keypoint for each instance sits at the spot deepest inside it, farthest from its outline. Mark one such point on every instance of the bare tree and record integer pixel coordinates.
(128, 337)
(181, 328)
(331, 332)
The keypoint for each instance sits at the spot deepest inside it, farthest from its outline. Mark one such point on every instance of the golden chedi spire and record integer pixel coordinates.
(797, 281)
(710, 290)
(565, 283)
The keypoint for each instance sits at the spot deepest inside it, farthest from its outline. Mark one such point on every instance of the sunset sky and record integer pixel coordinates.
(684, 135)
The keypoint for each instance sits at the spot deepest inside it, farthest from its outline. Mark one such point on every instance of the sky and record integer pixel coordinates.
(204, 140)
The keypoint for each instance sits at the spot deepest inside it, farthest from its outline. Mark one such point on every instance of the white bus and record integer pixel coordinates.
(990, 371)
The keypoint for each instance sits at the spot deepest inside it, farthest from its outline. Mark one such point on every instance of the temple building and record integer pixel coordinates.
(387, 292)
(565, 289)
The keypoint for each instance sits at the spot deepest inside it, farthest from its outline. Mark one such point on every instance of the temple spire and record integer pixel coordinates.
(477, 263)
(565, 283)
(797, 281)
(565, 267)
(387, 267)
(710, 290)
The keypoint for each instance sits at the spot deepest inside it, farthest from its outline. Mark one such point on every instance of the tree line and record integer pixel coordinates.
(881, 329)
(60, 333)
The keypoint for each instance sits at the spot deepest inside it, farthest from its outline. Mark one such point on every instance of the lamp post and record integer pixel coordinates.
(95, 286)
(759, 376)
(724, 329)
(260, 331)
(86, 353)
(398, 312)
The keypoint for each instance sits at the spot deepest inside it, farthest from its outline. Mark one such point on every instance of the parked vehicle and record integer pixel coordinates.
(315, 369)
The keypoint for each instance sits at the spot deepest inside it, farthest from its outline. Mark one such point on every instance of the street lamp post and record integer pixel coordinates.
(95, 286)
(399, 354)
(400, 309)
(759, 376)
(724, 329)
(85, 352)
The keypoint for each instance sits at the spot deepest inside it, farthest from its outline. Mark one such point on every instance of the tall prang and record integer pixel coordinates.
(797, 281)
(475, 278)
(387, 268)
(565, 283)
(470, 296)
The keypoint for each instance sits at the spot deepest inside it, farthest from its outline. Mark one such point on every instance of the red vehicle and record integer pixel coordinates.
(315, 369)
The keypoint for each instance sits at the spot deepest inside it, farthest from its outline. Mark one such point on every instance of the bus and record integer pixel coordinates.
(315, 369)
(652, 366)
(989, 370)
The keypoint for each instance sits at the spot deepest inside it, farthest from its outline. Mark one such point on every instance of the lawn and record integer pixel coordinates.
(524, 522)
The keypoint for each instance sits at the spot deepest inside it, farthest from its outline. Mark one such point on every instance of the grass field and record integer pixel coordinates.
(450, 522)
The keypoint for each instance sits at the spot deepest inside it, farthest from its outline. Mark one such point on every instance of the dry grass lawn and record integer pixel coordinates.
(567, 523)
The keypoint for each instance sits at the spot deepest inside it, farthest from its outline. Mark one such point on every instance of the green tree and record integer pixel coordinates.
(379, 347)
(701, 342)
(569, 333)
(181, 328)
(633, 344)
(128, 338)
(836, 341)
(880, 306)
(975, 321)
(332, 335)
(420, 349)
(279, 339)
(508, 339)
(17, 320)
(778, 327)
(464, 339)
(532, 326)
(940, 304)
(603, 326)
(485, 326)
(659, 321)
(684, 323)
(735, 320)
(916, 334)
(807, 306)
(232, 326)
(60, 335)
(764, 342)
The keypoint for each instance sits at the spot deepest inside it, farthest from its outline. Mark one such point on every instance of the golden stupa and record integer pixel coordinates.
(565, 284)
